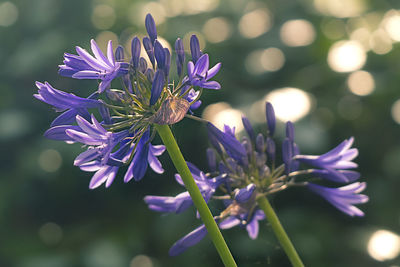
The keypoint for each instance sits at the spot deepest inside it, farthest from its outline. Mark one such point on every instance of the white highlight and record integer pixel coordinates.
(255, 23)
(396, 111)
(290, 104)
(346, 56)
(361, 83)
(222, 113)
(217, 29)
(8, 14)
(297, 32)
(384, 245)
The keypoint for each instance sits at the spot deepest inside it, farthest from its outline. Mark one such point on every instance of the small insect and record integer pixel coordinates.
(172, 110)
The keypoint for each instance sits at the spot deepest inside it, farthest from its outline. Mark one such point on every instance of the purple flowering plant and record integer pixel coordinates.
(242, 173)
(122, 136)
(116, 126)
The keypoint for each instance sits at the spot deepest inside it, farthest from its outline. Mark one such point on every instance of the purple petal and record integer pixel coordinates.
(154, 163)
(229, 222)
(190, 69)
(87, 74)
(244, 194)
(90, 60)
(188, 240)
(86, 156)
(252, 229)
(202, 65)
(98, 53)
(58, 132)
(213, 71)
(271, 120)
(110, 54)
(210, 85)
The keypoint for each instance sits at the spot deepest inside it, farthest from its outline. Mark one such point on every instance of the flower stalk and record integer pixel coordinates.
(180, 164)
(280, 232)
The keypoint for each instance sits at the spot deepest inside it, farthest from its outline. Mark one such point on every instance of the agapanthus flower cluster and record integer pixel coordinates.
(122, 133)
(242, 171)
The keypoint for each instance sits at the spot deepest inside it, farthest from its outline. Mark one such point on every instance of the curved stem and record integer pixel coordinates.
(180, 164)
(280, 232)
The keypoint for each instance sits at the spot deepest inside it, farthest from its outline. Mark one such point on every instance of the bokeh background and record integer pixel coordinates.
(332, 66)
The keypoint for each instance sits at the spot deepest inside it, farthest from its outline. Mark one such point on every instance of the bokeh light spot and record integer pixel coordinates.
(272, 59)
(156, 10)
(217, 30)
(50, 160)
(255, 23)
(391, 24)
(340, 8)
(384, 245)
(361, 83)
(222, 113)
(297, 32)
(346, 56)
(141, 261)
(103, 17)
(102, 40)
(260, 61)
(198, 6)
(396, 111)
(8, 14)
(290, 104)
(362, 35)
(380, 42)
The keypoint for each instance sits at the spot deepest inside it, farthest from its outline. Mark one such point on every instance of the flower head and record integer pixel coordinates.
(123, 134)
(242, 170)
(99, 67)
(344, 198)
(199, 74)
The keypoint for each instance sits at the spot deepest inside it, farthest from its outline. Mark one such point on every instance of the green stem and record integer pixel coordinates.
(280, 232)
(180, 164)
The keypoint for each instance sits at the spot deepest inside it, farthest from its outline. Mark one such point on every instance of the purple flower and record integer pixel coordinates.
(106, 168)
(343, 198)
(191, 96)
(175, 204)
(100, 141)
(105, 173)
(271, 121)
(151, 27)
(338, 158)
(85, 66)
(232, 146)
(334, 163)
(244, 194)
(180, 56)
(188, 240)
(148, 46)
(249, 129)
(242, 220)
(159, 53)
(199, 74)
(135, 50)
(145, 155)
(157, 86)
(70, 104)
(195, 48)
(183, 201)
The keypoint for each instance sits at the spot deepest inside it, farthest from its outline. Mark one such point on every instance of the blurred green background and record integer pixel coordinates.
(330, 65)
